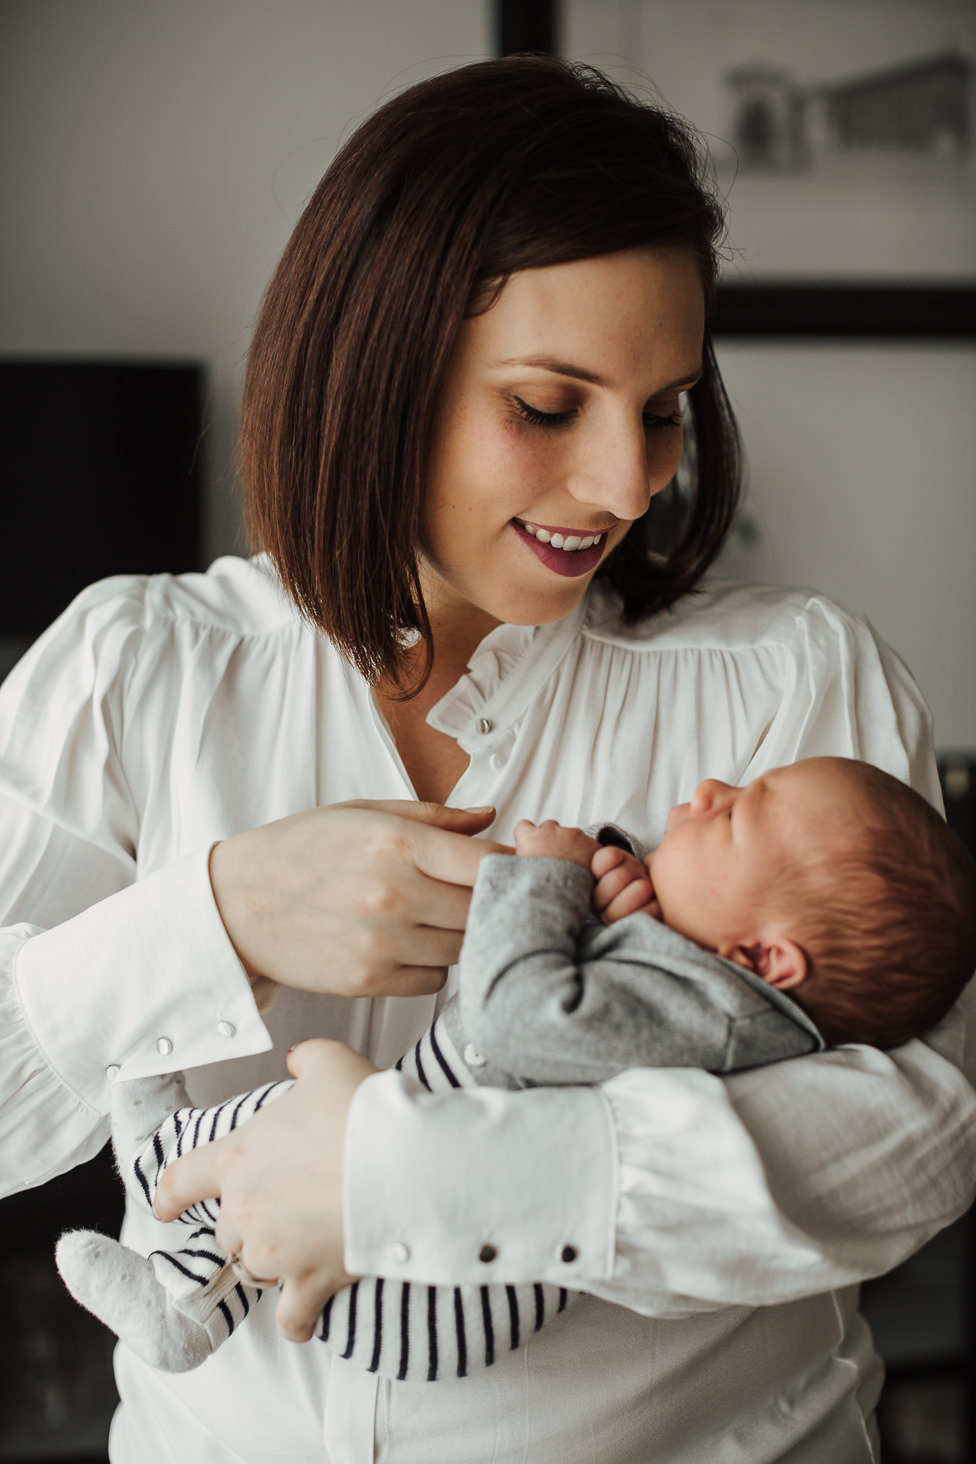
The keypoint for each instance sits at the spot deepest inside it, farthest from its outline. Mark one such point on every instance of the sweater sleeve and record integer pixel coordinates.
(551, 995)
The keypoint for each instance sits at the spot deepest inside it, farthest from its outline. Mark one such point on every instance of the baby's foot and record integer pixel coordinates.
(121, 1288)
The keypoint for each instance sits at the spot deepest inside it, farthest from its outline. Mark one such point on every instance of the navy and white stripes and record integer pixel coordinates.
(399, 1329)
(409, 1331)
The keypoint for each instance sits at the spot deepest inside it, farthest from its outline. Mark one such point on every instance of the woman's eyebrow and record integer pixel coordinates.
(580, 373)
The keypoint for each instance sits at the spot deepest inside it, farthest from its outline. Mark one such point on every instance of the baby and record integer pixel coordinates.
(824, 903)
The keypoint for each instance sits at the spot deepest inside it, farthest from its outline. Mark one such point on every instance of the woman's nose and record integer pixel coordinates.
(711, 795)
(616, 474)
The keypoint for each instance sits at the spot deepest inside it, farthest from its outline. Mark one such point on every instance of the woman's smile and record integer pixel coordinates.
(569, 552)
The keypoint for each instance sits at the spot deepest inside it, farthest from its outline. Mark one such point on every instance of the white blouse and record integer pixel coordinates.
(719, 1226)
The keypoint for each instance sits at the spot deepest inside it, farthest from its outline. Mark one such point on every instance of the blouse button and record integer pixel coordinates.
(164, 1046)
(487, 1254)
(484, 726)
(473, 1057)
(568, 1253)
(226, 1029)
(400, 1253)
(112, 1071)
(497, 761)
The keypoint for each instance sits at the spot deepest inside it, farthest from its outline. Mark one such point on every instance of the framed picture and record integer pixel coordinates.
(842, 133)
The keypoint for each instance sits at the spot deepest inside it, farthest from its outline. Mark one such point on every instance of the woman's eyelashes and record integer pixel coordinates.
(539, 418)
(653, 421)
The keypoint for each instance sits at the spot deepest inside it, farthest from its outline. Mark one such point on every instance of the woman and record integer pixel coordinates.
(462, 418)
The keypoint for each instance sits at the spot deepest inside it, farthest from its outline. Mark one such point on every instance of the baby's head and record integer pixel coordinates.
(833, 881)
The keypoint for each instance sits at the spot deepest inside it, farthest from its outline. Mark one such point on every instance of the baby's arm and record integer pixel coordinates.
(622, 883)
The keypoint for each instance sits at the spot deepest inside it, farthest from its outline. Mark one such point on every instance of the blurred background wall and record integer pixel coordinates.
(155, 157)
(842, 136)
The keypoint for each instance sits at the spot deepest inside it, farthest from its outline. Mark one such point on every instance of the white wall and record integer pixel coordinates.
(156, 154)
(861, 484)
(860, 455)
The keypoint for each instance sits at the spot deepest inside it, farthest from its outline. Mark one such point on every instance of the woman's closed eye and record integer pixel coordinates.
(539, 418)
(653, 421)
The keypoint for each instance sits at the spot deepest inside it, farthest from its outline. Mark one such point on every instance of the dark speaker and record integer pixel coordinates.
(99, 475)
(957, 774)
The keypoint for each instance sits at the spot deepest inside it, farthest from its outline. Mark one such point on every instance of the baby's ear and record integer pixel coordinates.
(778, 960)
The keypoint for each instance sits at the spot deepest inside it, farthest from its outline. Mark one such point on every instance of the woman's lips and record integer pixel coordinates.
(568, 562)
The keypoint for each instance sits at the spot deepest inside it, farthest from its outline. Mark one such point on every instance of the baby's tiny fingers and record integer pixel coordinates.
(609, 886)
(638, 896)
(606, 858)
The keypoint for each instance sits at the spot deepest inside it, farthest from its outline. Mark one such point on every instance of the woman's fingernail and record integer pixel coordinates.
(485, 808)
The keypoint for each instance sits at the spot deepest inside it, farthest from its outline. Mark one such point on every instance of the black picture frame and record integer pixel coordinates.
(810, 310)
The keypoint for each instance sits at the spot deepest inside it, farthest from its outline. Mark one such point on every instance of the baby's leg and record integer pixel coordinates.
(419, 1333)
(176, 1306)
(401, 1330)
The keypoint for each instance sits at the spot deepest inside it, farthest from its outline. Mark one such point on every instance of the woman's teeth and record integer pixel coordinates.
(569, 543)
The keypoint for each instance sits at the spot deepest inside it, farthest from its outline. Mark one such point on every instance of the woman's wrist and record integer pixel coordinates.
(221, 884)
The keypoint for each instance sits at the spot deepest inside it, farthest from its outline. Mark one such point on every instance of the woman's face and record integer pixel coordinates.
(559, 420)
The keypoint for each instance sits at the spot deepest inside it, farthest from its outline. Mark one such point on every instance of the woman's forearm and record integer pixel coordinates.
(143, 982)
(678, 1191)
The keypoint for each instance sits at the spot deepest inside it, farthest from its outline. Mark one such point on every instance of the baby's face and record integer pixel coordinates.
(716, 870)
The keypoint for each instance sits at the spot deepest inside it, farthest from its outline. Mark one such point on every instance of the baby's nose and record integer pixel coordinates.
(678, 814)
(710, 794)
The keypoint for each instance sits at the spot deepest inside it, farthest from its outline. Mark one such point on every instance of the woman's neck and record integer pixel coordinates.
(433, 760)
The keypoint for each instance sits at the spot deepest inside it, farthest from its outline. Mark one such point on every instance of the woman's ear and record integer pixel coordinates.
(778, 960)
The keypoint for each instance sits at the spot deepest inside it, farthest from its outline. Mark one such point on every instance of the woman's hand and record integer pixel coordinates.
(623, 885)
(357, 899)
(279, 1181)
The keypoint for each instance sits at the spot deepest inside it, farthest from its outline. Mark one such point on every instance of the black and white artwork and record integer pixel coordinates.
(842, 132)
(901, 120)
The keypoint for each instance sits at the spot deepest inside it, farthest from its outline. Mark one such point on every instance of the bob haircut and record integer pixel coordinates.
(432, 204)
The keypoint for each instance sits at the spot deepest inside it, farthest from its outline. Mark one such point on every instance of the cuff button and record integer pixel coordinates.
(112, 1071)
(400, 1253)
(164, 1046)
(473, 1057)
(568, 1253)
(226, 1029)
(487, 1253)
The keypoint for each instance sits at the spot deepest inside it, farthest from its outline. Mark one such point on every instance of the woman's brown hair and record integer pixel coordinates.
(433, 203)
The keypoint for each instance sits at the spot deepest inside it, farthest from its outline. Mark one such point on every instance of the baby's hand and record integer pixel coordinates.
(553, 841)
(623, 885)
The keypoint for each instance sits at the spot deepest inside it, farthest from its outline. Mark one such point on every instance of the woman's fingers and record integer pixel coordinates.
(349, 899)
(442, 849)
(279, 1180)
(194, 1177)
(301, 1301)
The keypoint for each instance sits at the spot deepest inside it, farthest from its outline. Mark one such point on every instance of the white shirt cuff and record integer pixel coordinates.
(145, 982)
(452, 1188)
